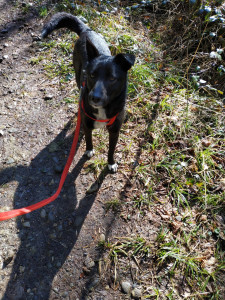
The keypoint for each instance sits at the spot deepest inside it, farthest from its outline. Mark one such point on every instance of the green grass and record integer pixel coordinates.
(113, 204)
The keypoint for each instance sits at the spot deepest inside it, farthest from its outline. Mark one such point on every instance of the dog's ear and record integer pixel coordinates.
(92, 51)
(126, 61)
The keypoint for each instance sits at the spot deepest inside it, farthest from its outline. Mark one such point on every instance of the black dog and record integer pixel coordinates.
(103, 79)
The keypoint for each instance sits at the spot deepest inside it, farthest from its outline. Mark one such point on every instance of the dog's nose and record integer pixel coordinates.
(97, 94)
(96, 98)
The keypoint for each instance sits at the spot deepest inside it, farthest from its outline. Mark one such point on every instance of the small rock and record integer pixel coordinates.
(102, 237)
(126, 287)
(8, 258)
(36, 38)
(15, 55)
(114, 10)
(10, 161)
(12, 129)
(5, 56)
(178, 218)
(26, 224)
(93, 283)
(55, 289)
(52, 182)
(27, 216)
(48, 97)
(51, 216)
(43, 213)
(65, 294)
(89, 263)
(136, 293)
(53, 147)
(21, 269)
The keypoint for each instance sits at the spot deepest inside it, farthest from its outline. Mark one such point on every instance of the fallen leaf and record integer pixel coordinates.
(176, 225)
(209, 264)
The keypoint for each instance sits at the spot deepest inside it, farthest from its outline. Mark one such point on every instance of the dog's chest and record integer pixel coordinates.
(100, 115)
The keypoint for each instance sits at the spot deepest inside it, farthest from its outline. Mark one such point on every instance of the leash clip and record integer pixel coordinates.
(84, 78)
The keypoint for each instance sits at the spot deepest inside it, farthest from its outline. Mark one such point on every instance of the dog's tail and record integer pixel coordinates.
(64, 20)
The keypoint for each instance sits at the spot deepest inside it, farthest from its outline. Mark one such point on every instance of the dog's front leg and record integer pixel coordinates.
(113, 138)
(88, 139)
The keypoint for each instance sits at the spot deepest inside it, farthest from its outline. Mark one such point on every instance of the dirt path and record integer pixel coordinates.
(51, 253)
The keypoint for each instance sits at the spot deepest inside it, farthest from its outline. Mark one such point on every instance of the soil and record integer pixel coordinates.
(51, 253)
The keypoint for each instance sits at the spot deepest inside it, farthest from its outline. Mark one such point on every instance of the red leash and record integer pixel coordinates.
(25, 210)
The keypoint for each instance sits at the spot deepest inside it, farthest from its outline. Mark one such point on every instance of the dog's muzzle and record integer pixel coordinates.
(95, 100)
(97, 97)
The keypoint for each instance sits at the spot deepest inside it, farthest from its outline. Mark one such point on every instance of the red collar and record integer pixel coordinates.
(109, 121)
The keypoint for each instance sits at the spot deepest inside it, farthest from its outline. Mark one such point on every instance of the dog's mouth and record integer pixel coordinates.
(97, 97)
(96, 104)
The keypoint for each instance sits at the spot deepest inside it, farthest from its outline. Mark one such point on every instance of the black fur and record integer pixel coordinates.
(105, 78)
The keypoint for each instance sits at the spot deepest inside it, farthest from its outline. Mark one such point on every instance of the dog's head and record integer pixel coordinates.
(106, 76)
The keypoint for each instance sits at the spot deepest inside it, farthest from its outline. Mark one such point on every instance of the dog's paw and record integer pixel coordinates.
(113, 168)
(90, 153)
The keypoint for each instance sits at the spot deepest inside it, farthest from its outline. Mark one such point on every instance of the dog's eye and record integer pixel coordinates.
(112, 78)
(92, 75)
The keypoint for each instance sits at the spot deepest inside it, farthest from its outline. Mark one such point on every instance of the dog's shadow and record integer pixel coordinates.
(49, 234)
